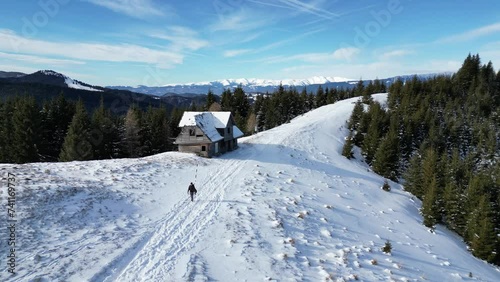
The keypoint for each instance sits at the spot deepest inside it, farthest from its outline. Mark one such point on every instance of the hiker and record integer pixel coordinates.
(192, 190)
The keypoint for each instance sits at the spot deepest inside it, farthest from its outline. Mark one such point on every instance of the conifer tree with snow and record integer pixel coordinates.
(481, 231)
(377, 126)
(386, 159)
(430, 205)
(449, 143)
(77, 146)
(348, 146)
(356, 116)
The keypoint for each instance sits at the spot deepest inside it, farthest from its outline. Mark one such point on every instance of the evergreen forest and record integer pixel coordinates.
(441, 139)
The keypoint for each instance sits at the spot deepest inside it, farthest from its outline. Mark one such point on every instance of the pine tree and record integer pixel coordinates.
(483, 235)
(56, 116)
(430, 207)
(377, 124)
(320, 97)
(414, 177)
(429, 169)
(386, 161)
(155, 131)
(331, 96)
(210, 100)
(133, 133)
(105, 137)
(454, 213)
(227, 100)
(77, 146)
(25, 130)
(241, 107)
(468, 72)
(356, 115)
(348, 146)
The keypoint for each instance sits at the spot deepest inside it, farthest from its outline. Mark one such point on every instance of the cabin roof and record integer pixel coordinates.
(217, 119)
(237, 132)
(209, 122)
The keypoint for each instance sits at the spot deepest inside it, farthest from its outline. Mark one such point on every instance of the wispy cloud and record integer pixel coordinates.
(310, 8)
(313, 8)
(181, 38)
(237, 52)
(286, 41)
(38, 60)
(395, 53)
(12, 43)
(133, 8)
(337, 55)
(346, 53)
(471, 34)
(371, 70)
(240, 20)
(316, 58)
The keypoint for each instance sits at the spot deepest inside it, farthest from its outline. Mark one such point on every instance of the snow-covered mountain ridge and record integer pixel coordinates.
(269, 82)
(255, 85)
(48, 77)
(285, 206)
(71, 83)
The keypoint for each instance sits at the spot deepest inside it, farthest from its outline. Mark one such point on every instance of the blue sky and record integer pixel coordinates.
(156, 42)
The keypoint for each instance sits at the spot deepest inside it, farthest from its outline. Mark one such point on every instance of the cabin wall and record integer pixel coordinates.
(204, 150)
(186, 137)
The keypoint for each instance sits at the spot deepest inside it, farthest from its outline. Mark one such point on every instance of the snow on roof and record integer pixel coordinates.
(237, 132)
(209, 122)
(219, 119)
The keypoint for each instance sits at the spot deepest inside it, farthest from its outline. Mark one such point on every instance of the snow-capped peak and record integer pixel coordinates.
(256, 82)
(53, 73)
(71, 83)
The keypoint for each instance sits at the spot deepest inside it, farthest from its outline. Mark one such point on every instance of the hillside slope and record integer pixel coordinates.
(285, 206)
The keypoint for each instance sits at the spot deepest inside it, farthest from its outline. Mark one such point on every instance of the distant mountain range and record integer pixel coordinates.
(185, 93)
(46, 84)
(257, 85)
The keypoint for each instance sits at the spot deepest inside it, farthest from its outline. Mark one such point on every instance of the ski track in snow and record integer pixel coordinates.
(177, 232)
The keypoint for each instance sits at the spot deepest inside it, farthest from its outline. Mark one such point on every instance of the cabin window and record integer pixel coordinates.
(203, 148)
(229, 130)
(199, 135)
(192, 132)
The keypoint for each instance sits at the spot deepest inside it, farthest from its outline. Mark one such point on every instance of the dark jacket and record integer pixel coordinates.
(191, 188)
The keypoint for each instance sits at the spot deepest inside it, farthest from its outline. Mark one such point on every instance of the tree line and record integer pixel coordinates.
(441, 138)
(62, 129)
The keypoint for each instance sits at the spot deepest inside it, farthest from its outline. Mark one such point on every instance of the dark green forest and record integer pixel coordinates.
(441, 138)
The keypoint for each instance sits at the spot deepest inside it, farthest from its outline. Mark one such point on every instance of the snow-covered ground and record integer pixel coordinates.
(285, 206)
